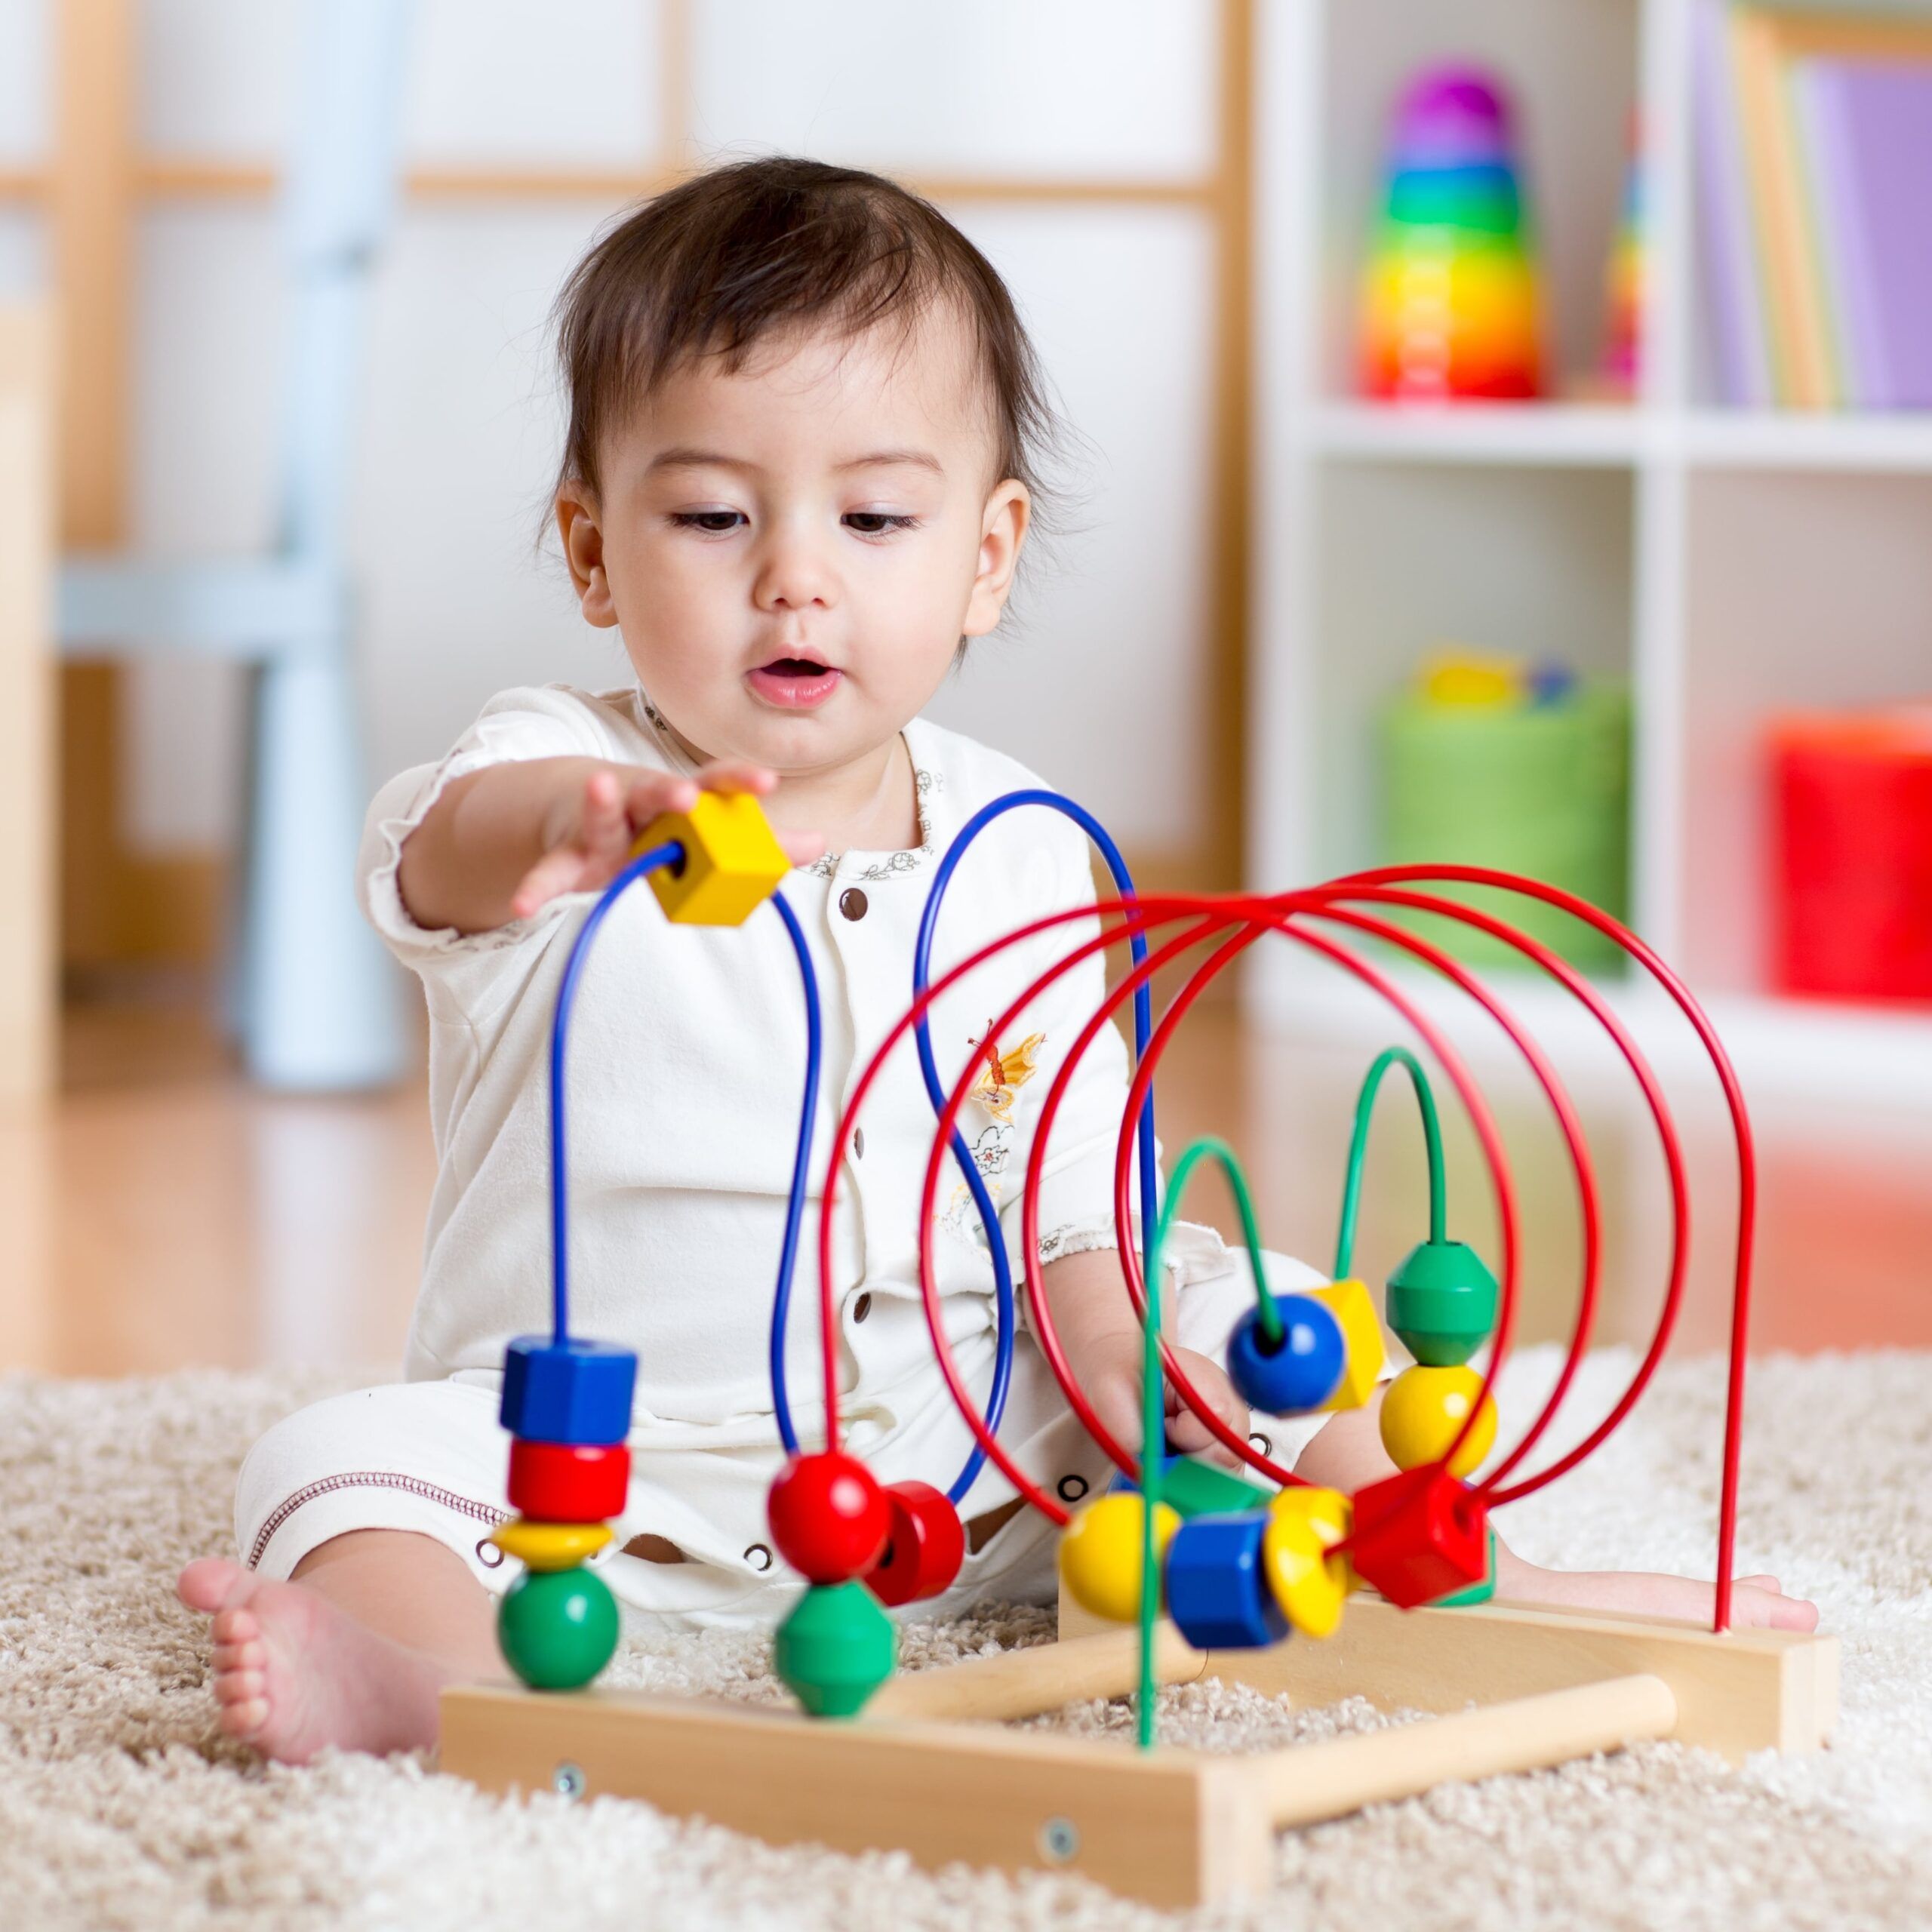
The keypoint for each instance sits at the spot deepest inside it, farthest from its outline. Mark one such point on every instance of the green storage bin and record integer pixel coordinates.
(1540, 788)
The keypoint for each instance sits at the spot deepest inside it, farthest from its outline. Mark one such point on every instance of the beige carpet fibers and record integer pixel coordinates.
(119, 1807)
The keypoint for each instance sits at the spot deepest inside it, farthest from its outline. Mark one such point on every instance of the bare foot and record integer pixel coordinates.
(1757, 1603)
(295, 1674)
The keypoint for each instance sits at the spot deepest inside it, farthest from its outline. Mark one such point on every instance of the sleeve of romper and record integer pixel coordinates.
(1077, 1178)
(460, 968)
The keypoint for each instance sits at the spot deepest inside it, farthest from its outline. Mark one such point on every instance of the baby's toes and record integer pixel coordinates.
(252, 1655)
(243, 1719)
(239, 1625)
(239, 1687)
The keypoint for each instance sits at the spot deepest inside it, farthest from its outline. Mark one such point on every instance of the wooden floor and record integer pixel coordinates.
(163, 1213)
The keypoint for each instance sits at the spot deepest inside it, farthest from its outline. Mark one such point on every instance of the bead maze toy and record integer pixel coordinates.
(1182, 1571)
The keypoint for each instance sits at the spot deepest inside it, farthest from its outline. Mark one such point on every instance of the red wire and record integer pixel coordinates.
(1679, 1201)
(1747, 1164)
(1466, 1089)
(1046, 1333)
(1139, 917)
(1275, 913)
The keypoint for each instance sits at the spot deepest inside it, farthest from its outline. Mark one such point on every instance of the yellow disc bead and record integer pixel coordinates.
(1100, 1554)
(1423, 1410)
(549, 1545)
(1303, 1525)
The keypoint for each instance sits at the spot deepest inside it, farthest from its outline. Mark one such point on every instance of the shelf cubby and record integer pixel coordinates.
(1732, 564)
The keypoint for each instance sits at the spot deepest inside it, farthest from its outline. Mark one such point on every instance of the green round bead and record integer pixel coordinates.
(836, 1648)
(558, 1628)
(1442, 1302)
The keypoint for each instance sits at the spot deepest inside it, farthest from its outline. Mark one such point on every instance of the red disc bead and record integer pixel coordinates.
(569, 1482)
(829, 1518)
(924, 1549)
(1420, 1536)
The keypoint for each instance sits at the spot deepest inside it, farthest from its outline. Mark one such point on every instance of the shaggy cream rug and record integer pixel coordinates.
(121, 1806)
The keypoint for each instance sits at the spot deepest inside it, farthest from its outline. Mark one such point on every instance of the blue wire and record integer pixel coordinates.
(781, 1300)
(1143, 1026)
(670, 854)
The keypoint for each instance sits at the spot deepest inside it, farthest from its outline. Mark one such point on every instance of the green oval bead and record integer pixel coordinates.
(835, 1649)
(558, 1628)
(1442, 1302)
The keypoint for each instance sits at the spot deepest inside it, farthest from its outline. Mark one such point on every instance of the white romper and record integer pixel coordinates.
(687, 1060)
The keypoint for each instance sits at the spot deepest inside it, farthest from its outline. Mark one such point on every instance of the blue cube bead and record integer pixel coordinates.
(1217, 1589)
(1301, 1371)
(574, 1391)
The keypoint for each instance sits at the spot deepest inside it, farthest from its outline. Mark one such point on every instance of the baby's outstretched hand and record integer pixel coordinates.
(592, 827)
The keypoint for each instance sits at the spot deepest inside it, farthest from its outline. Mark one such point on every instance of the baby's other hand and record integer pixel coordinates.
(1113, 1385)
(592, 827)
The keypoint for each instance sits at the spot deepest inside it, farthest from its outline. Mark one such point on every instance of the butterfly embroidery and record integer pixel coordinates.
(1003, 1074)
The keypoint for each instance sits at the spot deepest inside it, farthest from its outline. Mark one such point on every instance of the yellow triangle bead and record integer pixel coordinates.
(549, 1545)
(1351, 1304)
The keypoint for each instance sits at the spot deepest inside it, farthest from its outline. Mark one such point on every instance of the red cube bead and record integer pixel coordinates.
(829, 1518)
(569, 1482)
(1420, 1536)
(924, 1549)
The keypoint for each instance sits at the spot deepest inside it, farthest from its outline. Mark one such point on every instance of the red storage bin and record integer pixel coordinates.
(1853, 916)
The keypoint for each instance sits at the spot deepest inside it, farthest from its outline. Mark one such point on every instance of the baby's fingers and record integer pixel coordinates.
(560, 870)
(651, 794)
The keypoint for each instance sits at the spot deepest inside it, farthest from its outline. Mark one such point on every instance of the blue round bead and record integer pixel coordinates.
(1302, 1371)
(1217, 1584)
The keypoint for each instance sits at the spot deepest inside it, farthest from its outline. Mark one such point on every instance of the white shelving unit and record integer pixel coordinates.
(1729, 565)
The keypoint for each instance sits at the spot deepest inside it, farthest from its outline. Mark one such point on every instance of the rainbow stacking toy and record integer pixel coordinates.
(1260, 1579)
(1452, 303)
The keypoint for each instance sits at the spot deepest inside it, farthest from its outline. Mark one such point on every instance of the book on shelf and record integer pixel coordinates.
(1813, 157)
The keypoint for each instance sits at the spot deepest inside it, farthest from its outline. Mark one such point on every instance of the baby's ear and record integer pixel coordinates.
(582, 538)
(1002, 532)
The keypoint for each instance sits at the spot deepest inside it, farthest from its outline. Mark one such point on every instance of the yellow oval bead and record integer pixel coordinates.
(1303, 1525)
(549, 1545)
(1424, 1409)
(1100, 1554)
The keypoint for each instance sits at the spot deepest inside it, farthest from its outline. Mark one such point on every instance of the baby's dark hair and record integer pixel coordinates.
(751, 249)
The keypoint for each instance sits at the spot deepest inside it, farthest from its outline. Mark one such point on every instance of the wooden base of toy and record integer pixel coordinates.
(926, 1771)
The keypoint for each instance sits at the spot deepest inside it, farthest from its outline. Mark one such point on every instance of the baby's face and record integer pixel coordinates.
(793, 551)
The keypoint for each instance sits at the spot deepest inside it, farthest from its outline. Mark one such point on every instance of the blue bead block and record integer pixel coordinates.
(572, 1392)
(1217, 1590)
(1302, 1371)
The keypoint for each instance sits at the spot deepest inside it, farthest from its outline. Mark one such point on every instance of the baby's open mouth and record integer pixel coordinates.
(795, 683)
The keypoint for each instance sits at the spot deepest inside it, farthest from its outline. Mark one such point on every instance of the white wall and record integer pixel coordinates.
(461, 426)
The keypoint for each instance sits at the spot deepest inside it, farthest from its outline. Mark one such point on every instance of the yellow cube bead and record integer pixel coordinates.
(1100, 1554)
(1352, 1306)
(1423, 1412)
(1303, 1525)
(549, 1545)
(733, 860)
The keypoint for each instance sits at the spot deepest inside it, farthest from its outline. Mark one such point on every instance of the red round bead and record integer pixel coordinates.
(924, 1549)
(829, 1518)
(569, 1482)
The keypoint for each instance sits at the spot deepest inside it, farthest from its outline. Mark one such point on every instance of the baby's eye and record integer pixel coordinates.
(713, 523)
(877, 523)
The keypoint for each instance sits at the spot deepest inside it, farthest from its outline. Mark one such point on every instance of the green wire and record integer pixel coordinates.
(1153, 1431)
(1432, 1133)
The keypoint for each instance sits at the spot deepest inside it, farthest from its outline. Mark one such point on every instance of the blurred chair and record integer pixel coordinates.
(313, 999)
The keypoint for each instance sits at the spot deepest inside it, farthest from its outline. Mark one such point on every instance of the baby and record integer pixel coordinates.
(804, 439)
